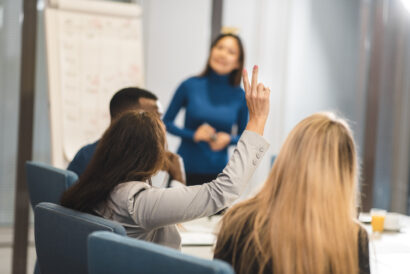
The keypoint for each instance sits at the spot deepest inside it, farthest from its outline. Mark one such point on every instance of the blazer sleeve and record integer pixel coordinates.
(154, 208)
(178, 101)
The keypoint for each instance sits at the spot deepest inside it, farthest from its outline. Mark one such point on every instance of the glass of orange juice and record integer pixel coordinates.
(378, 216)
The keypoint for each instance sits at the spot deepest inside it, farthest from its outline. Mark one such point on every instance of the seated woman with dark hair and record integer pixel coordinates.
(303, 219)
(115, 185)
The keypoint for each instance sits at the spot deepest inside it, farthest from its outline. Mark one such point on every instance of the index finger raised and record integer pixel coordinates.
(246, 85)
(254, 78)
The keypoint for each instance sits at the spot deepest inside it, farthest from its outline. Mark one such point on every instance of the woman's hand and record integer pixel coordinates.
(257, 99)
(221, 141)
(204, 133)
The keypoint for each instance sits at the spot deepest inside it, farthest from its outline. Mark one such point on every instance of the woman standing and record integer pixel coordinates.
(214, 104)
(303, 219)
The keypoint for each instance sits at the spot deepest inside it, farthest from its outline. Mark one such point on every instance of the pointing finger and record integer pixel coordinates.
(246, 81)
(254, 78)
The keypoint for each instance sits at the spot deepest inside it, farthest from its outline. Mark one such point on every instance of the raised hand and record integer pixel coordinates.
(257, 99)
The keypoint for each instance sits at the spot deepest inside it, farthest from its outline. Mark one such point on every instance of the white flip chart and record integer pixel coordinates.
(94, 49)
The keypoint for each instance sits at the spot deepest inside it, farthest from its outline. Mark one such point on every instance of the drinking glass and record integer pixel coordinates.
(378, 216)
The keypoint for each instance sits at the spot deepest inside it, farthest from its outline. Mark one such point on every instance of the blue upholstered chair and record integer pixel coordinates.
(61, 237)
(109, 253)
(46, 183)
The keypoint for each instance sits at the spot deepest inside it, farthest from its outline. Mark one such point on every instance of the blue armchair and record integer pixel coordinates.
(109, 253)
(61, 237)
(46, 183)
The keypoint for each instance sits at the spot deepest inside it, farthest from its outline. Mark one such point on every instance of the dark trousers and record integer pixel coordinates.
(193, 179)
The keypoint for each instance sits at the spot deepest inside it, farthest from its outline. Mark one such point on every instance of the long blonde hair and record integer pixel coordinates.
(302, 220)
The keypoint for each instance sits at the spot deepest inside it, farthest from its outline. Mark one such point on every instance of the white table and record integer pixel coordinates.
(389, 253)
(206, 229)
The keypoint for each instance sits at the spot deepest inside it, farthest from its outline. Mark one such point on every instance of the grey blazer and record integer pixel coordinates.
(150, 213)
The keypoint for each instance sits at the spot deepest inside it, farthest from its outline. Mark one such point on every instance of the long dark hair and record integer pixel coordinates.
(236, 74)
(131, 149)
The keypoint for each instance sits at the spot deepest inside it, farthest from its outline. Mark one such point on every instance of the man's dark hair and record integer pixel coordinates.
(128, 99)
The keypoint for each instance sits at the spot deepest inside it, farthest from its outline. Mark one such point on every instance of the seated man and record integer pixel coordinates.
(133, 99)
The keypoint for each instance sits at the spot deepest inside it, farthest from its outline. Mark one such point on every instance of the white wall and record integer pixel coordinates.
(323, 61)
(10, 44)
(41, 134)
(263, 26)
(177, 40)
(308, 52)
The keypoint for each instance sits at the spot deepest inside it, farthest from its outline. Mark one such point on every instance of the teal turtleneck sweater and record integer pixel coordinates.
(213, 100)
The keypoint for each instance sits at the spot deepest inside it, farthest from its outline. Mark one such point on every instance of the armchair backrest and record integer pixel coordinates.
(109, 253)
(61, 237)
(47, 183)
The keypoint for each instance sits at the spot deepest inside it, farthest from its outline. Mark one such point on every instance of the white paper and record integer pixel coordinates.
(197, 238)
(99, 55)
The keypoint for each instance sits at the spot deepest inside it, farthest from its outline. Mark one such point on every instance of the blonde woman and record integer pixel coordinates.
(303, 219)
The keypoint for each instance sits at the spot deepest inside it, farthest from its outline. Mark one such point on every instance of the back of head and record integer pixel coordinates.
(131, 149)
(128, 99)
(319, 157)
(305, 212)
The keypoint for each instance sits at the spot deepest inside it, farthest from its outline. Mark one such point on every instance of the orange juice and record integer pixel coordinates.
(377, 223)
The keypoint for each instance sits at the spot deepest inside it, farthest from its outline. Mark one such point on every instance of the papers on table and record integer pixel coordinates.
(200, 232)
(365, 218)
(197, 238)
